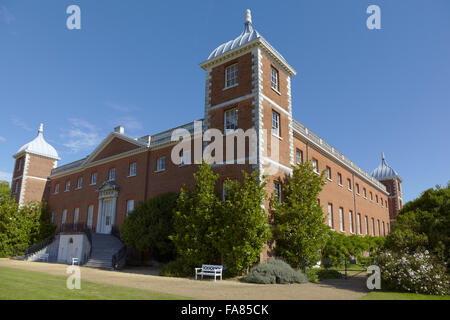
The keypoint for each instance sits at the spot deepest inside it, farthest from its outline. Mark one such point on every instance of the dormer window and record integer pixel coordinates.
(274, 80)
(231, 76)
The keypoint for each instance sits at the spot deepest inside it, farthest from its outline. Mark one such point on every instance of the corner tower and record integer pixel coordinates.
(33, 165)
(387, 176)
(248, 85)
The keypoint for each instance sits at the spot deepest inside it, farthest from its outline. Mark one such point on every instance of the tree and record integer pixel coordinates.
(5, 191)
(196, 220)
(23, 227)
(424, 223)
(149, 226)
(300, 229)
(244, 227)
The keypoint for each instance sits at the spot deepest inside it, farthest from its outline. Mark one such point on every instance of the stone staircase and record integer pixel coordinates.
(104, 246)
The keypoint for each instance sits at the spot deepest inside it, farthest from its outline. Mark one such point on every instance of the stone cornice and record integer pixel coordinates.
(258, 42)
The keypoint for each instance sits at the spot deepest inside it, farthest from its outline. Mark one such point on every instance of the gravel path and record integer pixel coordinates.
(142, 278)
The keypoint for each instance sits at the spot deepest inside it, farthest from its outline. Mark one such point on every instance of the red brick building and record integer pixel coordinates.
(248, 86)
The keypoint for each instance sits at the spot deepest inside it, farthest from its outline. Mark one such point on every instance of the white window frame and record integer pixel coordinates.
(79, 183)
(339, 179)
(161, 164)
(67, 189)
(350, 216)
(366, 220)
(129, 204)
(373, 227)
(185, 158)
(76, 215)
(341, 219)
(274, 79)
(278, 190)
(330, 216)
(358, 223)
(132, 170)
(93, 178)
(112, 174)
(230, 120)
(275, 123)
(231, 76)
(90, 216)
(328, 169)
(349, 185)
(64, 218)
(299, 155)
(315, 164)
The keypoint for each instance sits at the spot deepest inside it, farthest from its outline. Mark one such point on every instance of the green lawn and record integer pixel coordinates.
(18, 284)
(385, 295)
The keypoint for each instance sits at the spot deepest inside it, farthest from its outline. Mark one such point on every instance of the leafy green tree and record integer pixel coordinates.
(300, 229)
(149, 226)
(424, 223)
(244, 227)
(196, 220)
(22, 227)
(5, 190)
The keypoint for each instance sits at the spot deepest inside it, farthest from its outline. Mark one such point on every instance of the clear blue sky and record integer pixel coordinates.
(136, 63)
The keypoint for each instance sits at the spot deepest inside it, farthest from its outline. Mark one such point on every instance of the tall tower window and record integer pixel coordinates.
(274, 79)
(276, 123)
(231, 76)
(231, 120)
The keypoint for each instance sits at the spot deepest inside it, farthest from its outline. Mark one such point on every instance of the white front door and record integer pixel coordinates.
(107, 216)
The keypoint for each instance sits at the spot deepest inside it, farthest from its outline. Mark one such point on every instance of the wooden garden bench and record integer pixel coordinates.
(209, 270)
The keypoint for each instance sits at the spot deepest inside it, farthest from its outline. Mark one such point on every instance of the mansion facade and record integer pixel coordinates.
(248, 86)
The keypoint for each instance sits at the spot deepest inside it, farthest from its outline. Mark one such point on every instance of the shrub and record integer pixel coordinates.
(416, 272)
(149, 226)
(275, 271)
(317, 274)
(175, 268)
(328, 274)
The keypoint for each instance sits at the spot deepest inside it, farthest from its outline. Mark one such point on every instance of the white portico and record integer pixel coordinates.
(107, 200)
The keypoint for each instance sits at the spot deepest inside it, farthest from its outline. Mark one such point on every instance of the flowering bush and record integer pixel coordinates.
(416, 272)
